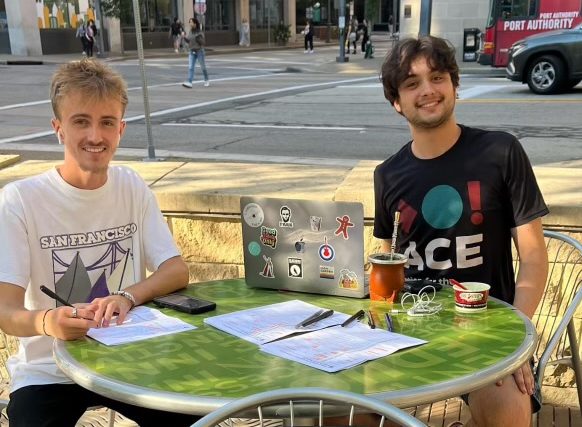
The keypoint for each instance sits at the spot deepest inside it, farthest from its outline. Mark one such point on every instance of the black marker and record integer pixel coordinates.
(317, 318)
(54, 296)
(313, 316)
(356, 316)
(371, 322)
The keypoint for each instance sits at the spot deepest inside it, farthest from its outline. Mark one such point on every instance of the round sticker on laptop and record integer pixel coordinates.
(253, 215)
(254, 248)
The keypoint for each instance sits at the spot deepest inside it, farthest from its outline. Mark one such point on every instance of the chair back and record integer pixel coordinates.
(560, 307)
(315, 403)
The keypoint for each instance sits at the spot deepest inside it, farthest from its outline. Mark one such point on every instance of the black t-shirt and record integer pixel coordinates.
(457, 210)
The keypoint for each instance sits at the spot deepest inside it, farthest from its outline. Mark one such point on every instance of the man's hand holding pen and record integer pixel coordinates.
(70, 322)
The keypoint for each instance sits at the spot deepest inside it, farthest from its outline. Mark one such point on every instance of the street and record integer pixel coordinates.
(286, 106)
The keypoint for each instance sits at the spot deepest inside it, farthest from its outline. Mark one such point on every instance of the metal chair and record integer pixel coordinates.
(294, 404)
(559, 304)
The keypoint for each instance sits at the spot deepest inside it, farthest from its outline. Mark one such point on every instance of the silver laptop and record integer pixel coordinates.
(304, 245)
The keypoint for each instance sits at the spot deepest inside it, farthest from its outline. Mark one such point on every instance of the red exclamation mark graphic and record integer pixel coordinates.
(474, 188)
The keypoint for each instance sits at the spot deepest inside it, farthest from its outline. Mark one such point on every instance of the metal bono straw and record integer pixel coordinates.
(394, 234)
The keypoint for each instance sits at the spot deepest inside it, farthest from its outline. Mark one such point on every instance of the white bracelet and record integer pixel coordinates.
(127, 295)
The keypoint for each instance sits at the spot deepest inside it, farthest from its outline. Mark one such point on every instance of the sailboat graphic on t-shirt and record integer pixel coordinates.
(75, 286)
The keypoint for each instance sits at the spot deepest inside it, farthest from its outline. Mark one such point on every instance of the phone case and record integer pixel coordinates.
(185, 303)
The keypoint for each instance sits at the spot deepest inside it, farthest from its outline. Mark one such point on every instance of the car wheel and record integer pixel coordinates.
(546, 75)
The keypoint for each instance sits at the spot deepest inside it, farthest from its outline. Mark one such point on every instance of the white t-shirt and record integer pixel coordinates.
(117, 231)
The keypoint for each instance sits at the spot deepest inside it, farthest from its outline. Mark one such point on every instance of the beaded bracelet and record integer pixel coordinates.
(43, 321)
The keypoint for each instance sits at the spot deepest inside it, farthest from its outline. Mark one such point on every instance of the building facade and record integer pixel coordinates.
(36, 27)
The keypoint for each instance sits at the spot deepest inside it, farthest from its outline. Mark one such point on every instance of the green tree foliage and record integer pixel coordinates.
(371, 11)
(116, 8)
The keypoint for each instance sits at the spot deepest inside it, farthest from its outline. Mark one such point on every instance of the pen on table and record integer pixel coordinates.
(317, 313)
(371, 322)
(356, 316)
(389, 324)
(317, 318)
(54, 296)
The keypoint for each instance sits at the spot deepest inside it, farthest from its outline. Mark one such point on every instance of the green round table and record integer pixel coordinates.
(196, 372)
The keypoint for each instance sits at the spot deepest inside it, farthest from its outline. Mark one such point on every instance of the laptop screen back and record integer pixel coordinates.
(304, 245)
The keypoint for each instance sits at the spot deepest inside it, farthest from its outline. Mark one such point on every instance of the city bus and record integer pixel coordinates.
(512, 20)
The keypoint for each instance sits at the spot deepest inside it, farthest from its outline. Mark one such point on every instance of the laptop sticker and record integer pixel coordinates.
(326, 251)
(295, 267)
(326, 272)
(254, 248)
(253, 215)
(344, 224)
(285, 214)
(315, 223)
(268, 268)
(348, 279)
(269, 236)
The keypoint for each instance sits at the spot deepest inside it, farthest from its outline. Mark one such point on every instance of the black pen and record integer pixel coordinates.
(313, 316)
(54, 296)
(389, 324)
(356, 316)
(371, 322)
(317, 318)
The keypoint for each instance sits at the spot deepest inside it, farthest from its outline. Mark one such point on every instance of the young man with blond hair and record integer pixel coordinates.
(82, 214)
(463, 195)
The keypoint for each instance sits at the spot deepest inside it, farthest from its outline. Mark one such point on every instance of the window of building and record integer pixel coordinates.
(219, 15)
(155, 15)
(3, 19)
(265, 13)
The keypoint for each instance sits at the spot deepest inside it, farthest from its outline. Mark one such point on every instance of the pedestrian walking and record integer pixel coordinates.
(176, 33)
(352, 35)
(90, 36)
(245, 33)
(196, 43)
(95, 38)
(81, 30)
(364, 34)
(308, 36)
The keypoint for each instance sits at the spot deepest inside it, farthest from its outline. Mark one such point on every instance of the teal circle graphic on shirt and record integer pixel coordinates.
(254, 248)
(442, 207)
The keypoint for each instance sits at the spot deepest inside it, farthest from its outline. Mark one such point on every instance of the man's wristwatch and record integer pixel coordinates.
(127, 295)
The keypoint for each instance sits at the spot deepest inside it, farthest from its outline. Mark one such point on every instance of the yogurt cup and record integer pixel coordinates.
(473, 299)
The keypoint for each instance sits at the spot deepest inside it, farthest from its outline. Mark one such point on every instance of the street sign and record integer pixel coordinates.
(200, 7)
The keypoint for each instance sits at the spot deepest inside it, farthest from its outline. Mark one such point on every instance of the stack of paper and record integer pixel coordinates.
(324, 345)
(141, 323)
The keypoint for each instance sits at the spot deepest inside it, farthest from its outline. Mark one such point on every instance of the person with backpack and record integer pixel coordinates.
(176, 32)
(81, 31)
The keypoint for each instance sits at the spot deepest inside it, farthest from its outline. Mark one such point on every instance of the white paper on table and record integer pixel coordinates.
(336, 348)
(141, 323)
(271, 322)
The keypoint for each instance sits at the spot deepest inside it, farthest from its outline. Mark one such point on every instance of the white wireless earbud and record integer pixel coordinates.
(60, 138)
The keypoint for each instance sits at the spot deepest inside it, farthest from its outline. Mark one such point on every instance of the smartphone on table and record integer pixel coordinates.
(184, 303)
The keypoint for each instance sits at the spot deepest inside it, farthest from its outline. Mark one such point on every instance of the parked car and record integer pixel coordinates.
(549, 62)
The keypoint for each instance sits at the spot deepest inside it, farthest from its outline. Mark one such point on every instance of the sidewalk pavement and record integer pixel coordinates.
(381, 42)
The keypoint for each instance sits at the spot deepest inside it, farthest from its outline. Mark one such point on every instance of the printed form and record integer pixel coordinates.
(324, 345)
(141, 323)
(271, 322)
(336, 348)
